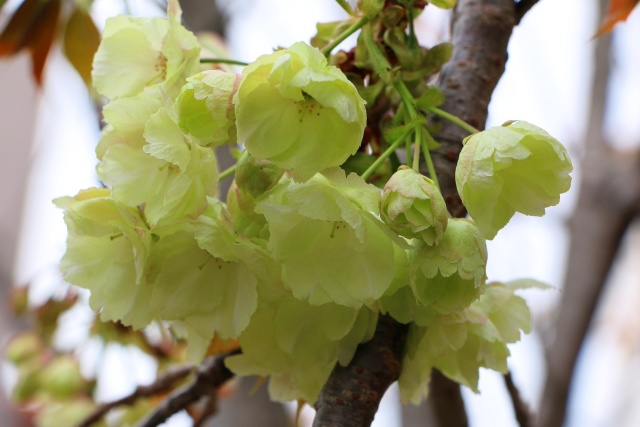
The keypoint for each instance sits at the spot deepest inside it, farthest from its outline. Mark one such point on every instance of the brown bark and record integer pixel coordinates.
(607, 202)
(351, 396)
(481, 32)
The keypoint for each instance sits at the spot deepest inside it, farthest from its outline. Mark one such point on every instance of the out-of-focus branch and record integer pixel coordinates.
(607, 203)
(447, 402)
(522, 7)
(521, 409)
(161, 385)
(210, 376)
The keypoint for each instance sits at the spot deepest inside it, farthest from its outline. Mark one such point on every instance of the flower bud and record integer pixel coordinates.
(257, 175)
(205, 107)
(413, 206)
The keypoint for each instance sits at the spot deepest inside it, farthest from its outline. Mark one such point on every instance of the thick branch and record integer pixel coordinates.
(210, 376)
(522, 7)
(481, 32)
(351, 396)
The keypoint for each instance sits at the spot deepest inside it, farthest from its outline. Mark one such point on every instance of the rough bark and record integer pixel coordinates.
(607, 202)
(351, 396)
(481, 32)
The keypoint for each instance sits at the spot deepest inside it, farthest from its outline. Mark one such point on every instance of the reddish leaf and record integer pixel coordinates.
(40, 38)
(81, 40)
(15, 35)
(618, 11)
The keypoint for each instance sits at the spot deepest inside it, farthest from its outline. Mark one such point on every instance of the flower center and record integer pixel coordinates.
(308, 106)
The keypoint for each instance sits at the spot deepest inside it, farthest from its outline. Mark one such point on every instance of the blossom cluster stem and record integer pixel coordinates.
(453, 119)
(420, 142)
(344, 4)
(388, 152)
(227, 172)
(346, 33)
(223, 61)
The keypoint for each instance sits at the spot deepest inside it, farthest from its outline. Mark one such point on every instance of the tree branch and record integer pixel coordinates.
(522, 7)
(351, 396)
(161, 385)
(521, 409)
(447, 401)
(210, 376)
(481, 33)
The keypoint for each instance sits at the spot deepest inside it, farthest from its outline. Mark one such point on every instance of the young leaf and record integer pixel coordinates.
(20, 27)
(618, 11)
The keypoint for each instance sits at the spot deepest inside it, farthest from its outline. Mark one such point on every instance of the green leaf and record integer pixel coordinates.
(371, 8)
(433, 97)
(375, 57)
(328, 31)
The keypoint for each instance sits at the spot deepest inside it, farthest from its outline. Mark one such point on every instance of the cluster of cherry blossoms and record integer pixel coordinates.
(301, 258)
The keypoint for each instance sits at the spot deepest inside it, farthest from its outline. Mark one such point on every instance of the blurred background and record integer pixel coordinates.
(583, 91)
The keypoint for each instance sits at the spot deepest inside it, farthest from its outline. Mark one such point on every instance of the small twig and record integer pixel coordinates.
(522, 7)
(210, 376)
(521, 409)
(162, 384)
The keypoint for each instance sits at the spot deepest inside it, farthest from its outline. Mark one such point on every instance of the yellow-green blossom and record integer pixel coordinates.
(507, 169)
(299, 112)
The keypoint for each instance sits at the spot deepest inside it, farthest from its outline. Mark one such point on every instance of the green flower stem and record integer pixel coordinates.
(454, 119)
(388, 152)
(427, 159)
(222, 61)
(346, 33)
(227, 173)
(346, 6)
(408, 101)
